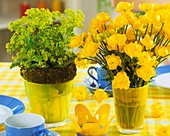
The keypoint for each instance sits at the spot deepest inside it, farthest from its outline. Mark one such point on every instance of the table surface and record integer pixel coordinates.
(11, 84)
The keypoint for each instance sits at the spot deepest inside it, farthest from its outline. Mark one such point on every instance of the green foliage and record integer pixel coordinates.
(39, 41)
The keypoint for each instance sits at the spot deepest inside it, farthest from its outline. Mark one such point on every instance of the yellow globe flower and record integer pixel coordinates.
(129, 16)
(124, 6)
(116, 40)
(161, 51)
(164, 13)
(148, 42)
(133, 49)
(146, 7)
(157, 109)
(121, 81)
(130, 34)
(154, 61)
(76, 41)
(110, 28)
(153, 18)
(99, 20)
(100, 95)
(88, 37)
(103, 18)
(146, 72)
(137, 23)
(97, 23)
(90, 49)
(113, 61)
(80, 93)
(95, 27)
(119, 22)
(145, 20)
(144, 58)
(156, 28)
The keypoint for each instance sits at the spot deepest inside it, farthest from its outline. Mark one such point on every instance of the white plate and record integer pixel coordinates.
(52, 132)
(5, 112)
(163, 80)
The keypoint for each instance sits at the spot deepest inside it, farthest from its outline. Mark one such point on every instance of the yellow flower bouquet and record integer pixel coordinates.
(129, 47)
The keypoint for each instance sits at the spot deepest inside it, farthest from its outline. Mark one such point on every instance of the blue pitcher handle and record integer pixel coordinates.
(42, 132)
(88, 71)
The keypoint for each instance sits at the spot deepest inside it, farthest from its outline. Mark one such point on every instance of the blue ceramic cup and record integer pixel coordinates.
(26, 124)
(101, 76)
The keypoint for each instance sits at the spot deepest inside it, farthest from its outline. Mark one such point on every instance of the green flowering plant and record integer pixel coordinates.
(41, 39)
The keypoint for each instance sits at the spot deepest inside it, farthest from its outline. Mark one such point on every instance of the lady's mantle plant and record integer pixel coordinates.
(41, 40)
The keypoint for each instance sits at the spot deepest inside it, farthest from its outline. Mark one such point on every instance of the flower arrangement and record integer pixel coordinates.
(130, 46)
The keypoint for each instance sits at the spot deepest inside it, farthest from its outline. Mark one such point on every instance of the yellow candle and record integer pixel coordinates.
(57, 6)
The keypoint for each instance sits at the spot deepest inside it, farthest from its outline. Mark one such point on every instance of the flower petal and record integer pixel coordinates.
(75, 125)
(83, 115)
(102, 114)
(106, 126)
(91, 129)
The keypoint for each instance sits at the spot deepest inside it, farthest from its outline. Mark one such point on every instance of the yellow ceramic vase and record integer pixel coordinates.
(52, 101)
(130, 108)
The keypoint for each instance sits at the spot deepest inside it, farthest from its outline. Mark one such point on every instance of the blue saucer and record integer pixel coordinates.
(162, 69)
(14, 104)
(52, 132)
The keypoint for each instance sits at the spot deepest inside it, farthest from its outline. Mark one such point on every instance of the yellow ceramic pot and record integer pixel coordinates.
(52, 101)
(130, 108)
